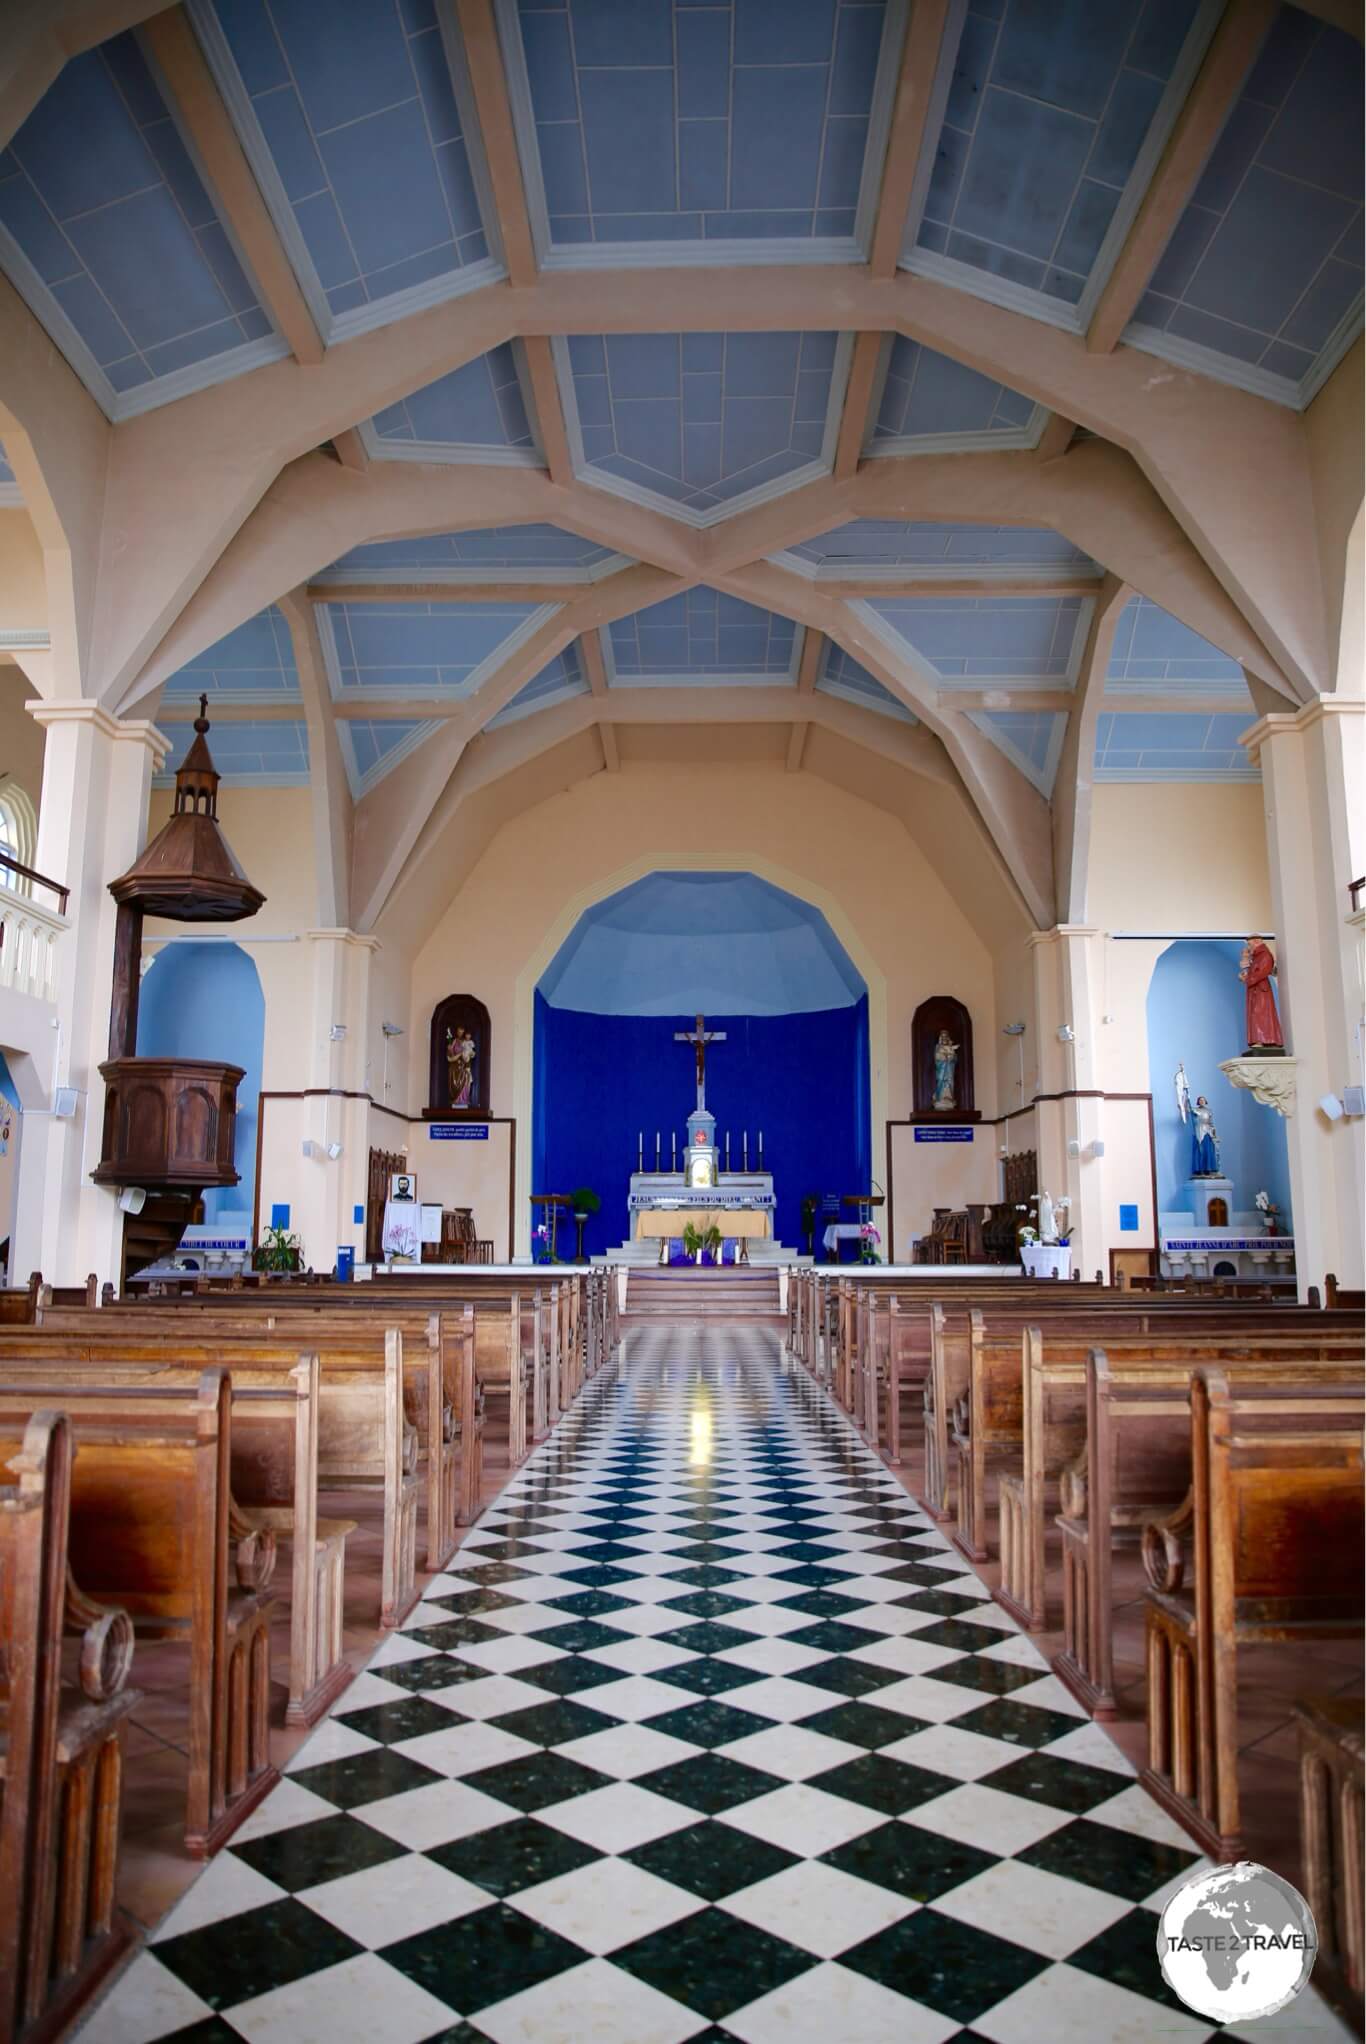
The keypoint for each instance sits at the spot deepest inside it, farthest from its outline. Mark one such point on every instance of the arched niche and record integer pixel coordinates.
(941, 1011)
(457, 1014)
(202, 998)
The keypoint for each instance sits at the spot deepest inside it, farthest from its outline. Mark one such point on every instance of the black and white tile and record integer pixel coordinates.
(709, 1734)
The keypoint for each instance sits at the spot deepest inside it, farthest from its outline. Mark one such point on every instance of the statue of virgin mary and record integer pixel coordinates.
(945, 1066)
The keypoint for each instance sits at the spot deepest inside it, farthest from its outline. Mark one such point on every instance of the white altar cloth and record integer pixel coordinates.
(1047, 1260)
(841, 1231)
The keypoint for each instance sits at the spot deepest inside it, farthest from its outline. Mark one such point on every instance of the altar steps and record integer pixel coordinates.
(703, 1294)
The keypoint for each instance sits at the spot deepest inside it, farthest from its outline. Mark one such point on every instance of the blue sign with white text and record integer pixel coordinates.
(459, 1131)
(943, 1135)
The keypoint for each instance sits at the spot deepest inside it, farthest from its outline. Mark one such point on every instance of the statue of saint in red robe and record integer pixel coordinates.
(1257, 969)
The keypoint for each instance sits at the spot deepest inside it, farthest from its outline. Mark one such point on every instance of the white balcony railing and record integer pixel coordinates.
(28, 946)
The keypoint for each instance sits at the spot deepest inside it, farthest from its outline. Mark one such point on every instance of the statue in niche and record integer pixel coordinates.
(945, 1065)
(461, 1054)
(1204, 1140)
(458, 1081)
(941, 1061)
(1257, 969)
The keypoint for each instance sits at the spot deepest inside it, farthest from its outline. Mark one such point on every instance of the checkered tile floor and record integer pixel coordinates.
(709, 1735)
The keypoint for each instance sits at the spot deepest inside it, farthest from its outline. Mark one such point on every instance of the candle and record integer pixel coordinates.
(656, 1149)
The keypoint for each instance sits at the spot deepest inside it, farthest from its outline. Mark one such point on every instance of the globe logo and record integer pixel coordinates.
(1237, 1942)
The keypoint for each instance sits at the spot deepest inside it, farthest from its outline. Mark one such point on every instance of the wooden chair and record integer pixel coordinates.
(61, 1754)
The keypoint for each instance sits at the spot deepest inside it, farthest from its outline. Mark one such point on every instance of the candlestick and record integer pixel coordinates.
(745, 1151)
(673, 1149)
(640, 1151)
(727, 1149)
(656, 1149)
(761, 1149)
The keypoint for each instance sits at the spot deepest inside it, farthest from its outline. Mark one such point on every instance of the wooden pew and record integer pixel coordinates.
(1331, 1796)
(362, 1438)
(151, 1532)
(1269, 1550)
(61, 1754)
(18, 1308)
(1030, 1404)
(1134, 1468)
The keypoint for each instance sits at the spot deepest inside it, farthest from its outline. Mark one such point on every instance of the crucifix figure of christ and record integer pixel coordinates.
(699, 1038)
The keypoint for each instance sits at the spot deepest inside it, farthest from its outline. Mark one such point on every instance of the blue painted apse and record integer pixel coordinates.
(205, 1000)
(1196, 1017)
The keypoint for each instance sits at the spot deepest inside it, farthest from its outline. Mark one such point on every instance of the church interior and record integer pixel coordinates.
(682, 817)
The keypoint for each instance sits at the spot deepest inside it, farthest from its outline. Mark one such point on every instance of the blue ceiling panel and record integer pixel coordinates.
(269, 755)
(1048, 111)
(716, 943)
(698, 422)
(930, 400)
(371, 747)
(842, 675)
(1152, 649)
(415, 649)
(478, 413)
(1134, 747)
(497, 550)
(255, 660)
(872, 543)
(976, 639)
(6, 472)
(558, 681)
(703, 637)
(726, 125)
(1264, 267)
(1031, 739)
(116, 243)
(350, 120)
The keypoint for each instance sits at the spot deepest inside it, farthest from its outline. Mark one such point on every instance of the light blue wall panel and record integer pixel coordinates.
(1142, 747)
(927, 395)
(664, 121)
(1049, 106)
(1266, 259)
(256, 659)
(989, 638)
(1155, 649)
(419, 648)
(701, 636)
(271, 755)
(101, 198)
(499, 548)
(355, 108)
(203, 1000)
(479, 405)
(842, 675)
(896, 543)
(701, 419)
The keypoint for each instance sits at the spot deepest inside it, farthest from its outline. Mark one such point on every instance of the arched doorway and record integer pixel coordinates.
(204, 999)
(762, 965)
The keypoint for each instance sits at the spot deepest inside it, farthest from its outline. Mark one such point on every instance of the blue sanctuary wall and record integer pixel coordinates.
(1196, 1016)
(600, 1079)
(205, 1000)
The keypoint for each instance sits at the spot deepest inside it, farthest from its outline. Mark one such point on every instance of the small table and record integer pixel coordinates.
(1047, 1259)
(840, 1231)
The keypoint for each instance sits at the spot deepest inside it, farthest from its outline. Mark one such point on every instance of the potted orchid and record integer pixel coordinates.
(1270, 1213)
(541, 1251)
(1061, 1208)
(868, 1240)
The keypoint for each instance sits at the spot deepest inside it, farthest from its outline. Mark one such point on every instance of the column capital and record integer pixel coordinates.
(359, 938)
(1061, 931)
(81, 710)
(1278, 723)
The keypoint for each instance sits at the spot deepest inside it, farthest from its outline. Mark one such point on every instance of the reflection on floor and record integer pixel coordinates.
(707, 1734)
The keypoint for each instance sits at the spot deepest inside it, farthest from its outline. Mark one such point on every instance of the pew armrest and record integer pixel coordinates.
(1164, 1560)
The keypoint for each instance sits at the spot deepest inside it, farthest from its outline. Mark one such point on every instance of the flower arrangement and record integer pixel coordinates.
(868, 1241)
(1269, 1211)
(1060, 1207)
(1027, 1237)
(541, 1251)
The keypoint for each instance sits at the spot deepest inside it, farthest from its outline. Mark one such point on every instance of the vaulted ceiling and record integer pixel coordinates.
(626, 517)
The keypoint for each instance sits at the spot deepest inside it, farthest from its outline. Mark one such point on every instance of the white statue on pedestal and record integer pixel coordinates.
(1048, 1221)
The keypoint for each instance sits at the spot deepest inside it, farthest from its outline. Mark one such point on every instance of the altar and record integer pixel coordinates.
(739, 1204)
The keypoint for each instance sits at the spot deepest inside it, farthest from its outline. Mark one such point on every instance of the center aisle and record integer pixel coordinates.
(710, 1734)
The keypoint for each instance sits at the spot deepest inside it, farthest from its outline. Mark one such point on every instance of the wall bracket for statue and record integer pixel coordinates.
(941, 1062)
(459, 1069)
(1271, 1080)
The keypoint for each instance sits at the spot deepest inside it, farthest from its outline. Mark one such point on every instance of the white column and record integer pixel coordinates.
(92, 823)
(1313, 766)
(334, 1112)
(1070, 1110)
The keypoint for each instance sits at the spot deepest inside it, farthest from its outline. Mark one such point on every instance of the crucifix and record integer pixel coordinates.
(699, 1038)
